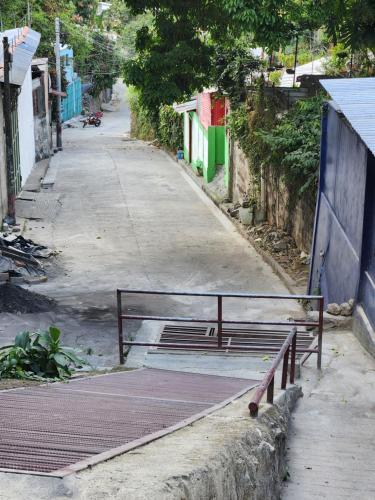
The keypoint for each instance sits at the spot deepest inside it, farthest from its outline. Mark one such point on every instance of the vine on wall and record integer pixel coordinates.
(293, 147)
(286, 142)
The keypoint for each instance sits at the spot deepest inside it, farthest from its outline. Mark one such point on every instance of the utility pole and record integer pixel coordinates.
(11, 218)
(58, 85)
(28, 14)
(295, 61)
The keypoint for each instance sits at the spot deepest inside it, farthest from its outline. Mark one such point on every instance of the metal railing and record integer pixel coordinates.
(268, 383)
(220, 296)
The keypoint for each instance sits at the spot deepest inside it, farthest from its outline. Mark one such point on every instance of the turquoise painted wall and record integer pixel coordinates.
(72, 104)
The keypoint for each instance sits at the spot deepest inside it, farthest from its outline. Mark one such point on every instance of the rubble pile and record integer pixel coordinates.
(19, 259)
(283, 248)
(15, 299)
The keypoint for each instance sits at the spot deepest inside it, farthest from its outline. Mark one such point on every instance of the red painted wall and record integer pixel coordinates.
(211, 109)
(218, 111)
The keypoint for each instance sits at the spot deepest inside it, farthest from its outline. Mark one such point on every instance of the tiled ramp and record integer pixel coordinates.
(60, 428)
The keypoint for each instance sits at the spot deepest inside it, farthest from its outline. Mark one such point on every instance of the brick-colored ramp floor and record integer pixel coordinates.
(60, 428)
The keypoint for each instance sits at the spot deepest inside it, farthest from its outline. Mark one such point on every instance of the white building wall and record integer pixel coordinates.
(201, 145)
(26, 127)
(186, 131)
(195, 142)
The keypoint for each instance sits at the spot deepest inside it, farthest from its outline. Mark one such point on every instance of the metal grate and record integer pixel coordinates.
(235, 337)
(64, 427)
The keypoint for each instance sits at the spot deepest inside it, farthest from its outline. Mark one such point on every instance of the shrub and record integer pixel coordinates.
(38, 355)
(141, 126)
(170, 130)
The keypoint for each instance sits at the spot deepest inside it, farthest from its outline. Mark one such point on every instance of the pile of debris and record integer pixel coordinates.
(283, 248)
(17, 300)
(19, 259)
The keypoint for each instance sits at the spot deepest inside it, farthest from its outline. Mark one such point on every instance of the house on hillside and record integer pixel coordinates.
(343, 250)
(23, 44)
(205, 142)
(71, 104)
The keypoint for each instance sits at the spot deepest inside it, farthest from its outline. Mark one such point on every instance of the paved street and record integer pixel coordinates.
(130, 217)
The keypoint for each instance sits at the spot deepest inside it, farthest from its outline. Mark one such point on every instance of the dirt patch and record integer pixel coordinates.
(15, 299)
(12, 383)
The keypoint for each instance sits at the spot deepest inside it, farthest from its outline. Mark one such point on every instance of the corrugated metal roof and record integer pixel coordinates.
(356, 99)
(23, 43)
(186, 106)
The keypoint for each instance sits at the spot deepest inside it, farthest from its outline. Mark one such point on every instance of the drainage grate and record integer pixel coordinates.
(64, 427)
(236, 337)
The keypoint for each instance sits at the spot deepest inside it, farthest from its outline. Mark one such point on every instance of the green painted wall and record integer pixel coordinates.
(210, 169)
(213, 152)
(220, 145)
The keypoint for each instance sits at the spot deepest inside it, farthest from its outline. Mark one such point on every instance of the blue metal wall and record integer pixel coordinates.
(367, 281)
(338, 233)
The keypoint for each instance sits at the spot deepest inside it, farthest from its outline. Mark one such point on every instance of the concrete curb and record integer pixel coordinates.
(287, 280)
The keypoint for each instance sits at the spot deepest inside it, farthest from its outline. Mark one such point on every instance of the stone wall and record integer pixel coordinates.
(272, 197)
(297, 221)
(241, 174)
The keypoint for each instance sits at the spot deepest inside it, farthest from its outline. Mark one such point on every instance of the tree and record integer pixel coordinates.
(102, 64)
(174, 55)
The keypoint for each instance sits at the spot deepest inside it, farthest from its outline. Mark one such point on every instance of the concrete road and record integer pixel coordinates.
(131, 217)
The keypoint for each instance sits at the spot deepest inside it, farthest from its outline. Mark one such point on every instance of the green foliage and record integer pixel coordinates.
(275, 77)
(102, 64)
(141, 126)
(170, 129)
(246, 120)
(235, 66)
(344, 63)
(174, 55)
(286, 142)
(38, 355)
(86, 10)
(293, 146)
(119, 19)
(175, 52)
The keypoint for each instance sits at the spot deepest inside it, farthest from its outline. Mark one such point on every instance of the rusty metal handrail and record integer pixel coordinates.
(218, 320)
(268, 381)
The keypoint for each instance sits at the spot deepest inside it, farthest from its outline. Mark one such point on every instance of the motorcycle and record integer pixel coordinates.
(92, 119)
